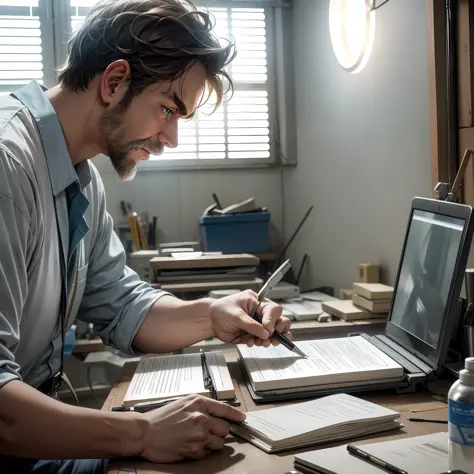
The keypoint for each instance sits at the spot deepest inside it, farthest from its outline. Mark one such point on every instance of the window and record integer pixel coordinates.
(240, 128)
(21, 44)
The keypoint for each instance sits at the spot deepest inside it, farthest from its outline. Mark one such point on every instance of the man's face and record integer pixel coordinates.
(143, 128)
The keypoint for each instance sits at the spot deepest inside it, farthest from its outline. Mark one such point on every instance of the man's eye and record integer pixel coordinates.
(167, 111)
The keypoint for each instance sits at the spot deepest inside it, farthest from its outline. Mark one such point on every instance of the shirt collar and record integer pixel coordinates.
(61, 170)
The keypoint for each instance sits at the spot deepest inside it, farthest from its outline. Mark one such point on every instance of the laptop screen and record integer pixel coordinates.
(427, 270)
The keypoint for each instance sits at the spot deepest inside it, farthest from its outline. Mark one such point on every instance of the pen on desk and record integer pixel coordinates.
(146, 406)
(209, 382)
(274, 279)
(428, 420)
(374, 460)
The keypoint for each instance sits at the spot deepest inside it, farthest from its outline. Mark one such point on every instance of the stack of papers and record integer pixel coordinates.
(161, 377)
(322, 420)
(419, 454)
(331, 363)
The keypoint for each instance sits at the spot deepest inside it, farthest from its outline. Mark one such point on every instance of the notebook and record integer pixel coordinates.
(415, 455)
(331, 362)
(160, 377)
(322, 420)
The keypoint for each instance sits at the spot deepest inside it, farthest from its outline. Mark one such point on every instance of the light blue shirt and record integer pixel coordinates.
(55, 232)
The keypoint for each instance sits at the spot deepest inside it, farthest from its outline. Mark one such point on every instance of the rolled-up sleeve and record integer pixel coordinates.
(14, 253)
(115, 300)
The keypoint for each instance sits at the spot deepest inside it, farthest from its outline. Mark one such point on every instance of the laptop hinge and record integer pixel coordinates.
(409, 361)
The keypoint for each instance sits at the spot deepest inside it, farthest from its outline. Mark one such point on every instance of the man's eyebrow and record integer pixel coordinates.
(180, 104)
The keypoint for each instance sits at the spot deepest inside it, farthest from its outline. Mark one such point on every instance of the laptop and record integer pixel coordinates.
(425, 305)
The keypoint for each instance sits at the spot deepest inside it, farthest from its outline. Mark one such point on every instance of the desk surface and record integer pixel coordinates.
(240, 457)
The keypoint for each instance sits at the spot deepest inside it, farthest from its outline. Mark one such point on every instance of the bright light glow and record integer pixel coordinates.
(352, 29)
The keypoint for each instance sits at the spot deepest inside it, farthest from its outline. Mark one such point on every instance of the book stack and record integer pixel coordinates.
(372, 297)
(194, 271)
(332, 364)
(369, 301)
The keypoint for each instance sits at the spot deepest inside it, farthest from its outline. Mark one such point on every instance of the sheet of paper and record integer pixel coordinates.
(296, 419)
(419, 454)
(351, 357)
(177, 375)
(167, 376)
(302, 308)
(317, 296)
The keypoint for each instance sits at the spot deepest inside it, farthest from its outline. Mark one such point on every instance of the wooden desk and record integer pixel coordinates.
(240, 457)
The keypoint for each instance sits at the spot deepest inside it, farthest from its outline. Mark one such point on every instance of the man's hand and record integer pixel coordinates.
(232, 321)
(188, 428)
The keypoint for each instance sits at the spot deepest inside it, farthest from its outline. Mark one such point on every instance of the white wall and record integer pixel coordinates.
(178, 198)
(363, 142)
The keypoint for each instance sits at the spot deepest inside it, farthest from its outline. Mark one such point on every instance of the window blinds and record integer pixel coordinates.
(21, 48)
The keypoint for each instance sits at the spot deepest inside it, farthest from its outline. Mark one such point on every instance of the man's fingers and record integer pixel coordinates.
(252, 327)
(283, 325)
(215, 443)
(271, 313)
(275, 341)
(222, 410)
(218, 426)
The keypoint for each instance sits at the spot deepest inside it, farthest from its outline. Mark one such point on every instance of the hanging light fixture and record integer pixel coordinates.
(352, 30)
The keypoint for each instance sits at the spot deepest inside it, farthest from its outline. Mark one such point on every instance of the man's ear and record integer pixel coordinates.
(114, 82)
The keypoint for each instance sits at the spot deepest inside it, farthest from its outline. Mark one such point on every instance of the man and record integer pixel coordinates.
(134, 69)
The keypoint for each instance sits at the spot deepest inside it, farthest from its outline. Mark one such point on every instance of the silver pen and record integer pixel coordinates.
(274, 279)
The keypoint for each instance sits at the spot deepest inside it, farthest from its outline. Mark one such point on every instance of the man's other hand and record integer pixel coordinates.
(187, 429)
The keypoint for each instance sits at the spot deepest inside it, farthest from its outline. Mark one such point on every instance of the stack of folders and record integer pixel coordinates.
(331, 418)
(415, 455)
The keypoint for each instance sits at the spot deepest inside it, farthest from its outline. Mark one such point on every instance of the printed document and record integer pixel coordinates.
(416, 455)
(320, 420)
(159, 377)
(330, 361)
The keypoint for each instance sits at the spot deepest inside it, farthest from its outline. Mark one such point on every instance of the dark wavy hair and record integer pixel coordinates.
(160, 39)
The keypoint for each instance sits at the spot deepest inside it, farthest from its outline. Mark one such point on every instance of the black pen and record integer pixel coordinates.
(374, 460)
(427, 420)
(147, 406)
(280, 337)
(209, 383)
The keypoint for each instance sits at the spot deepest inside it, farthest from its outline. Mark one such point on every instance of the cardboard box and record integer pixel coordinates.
(373, 291)
(345, 309)
(377, 306)
(345, 294)
(369, 273)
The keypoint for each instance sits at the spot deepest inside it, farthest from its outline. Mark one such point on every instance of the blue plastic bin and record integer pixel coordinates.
(237, 233)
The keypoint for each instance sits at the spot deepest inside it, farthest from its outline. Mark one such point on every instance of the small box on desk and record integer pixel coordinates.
(237, 233)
